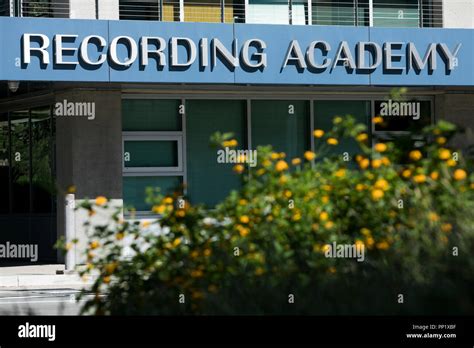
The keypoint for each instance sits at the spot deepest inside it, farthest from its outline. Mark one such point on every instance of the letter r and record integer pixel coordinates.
(27, 49)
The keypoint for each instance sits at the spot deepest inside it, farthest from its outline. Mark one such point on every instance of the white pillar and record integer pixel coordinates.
(70, 224)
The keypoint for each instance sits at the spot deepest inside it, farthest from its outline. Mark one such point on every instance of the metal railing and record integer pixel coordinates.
(378, 13)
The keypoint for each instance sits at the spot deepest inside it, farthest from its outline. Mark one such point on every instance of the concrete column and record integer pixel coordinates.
(458, 13)
(89, 155)
(82, 9)
(109, 9)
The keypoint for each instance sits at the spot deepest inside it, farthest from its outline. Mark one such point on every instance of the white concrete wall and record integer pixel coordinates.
(108, 9)
(82, 9)
(458, 13)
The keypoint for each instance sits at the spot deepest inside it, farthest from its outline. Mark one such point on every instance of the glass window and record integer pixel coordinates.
(171, 11)
(151, 153)
(396, 13)
(403, 116)
(151, 115)
(282, 124)
(135, 187)
(42, 184)
(268, 12)
(208, 180)
(333, 12)
(4, 7)
(202, 11)
(4, 165)
(326, 110)
(20, 161)
(139, 9)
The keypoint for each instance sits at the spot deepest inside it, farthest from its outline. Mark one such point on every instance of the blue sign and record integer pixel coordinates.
(169, 52)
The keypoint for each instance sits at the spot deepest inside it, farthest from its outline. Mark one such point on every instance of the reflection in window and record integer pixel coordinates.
(333, 12)
(396, 13)
(42, 184)
(4, 165)
(277, 12)
(20, 156)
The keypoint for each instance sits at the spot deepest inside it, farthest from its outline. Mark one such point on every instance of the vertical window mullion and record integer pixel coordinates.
(371, 13)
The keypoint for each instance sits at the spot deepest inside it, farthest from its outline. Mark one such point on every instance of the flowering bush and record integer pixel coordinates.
(263, 250)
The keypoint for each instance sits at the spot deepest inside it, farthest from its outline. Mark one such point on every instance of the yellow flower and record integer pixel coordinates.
(332, 270)
(382, 184)
(370, 242)
(111, 267)
(385, 161)
(94, 245)
(329, 225)
(106, 279)
(380, 147)
(433, 216)
(323, 216)
(377, 194)
(376, 163)
(283, 179)
(444, 154)
(406, 173)
(274, 156)
(281, 166)
(446, 227)
(119, 236)
(196, 273)
(364, 163)
(145, 224)
(326, 187)
(378, 120)
(71, 189)
(441, 140)
(238, 168)
(207, 252)
(326, 248)
(282, 155)
(325, 199)
(359, 244)
(434, 175)
(360, 187)
(337, 120)
(176, 242)
(365, 231)
(266, 163)
(159, 209)
(332, 141)
(415, 155)
(230, 143)
(362, 137)
(309, 155)
(295, 161)
(69, 246)
(419, 178)
(244, 219)
(318, 133)
(287, 193)
(194, 254)
(472, 186)
(459, 174)
(101, 200)
(382, 245)
(296, 217)
(180, 213)
(259, 271)
(168, 200)
(451, 163)
(244, 231)
(243, 201)
(340, 173)
(260, 172)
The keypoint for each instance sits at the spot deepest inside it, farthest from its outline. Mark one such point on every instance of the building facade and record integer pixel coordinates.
(112, 97)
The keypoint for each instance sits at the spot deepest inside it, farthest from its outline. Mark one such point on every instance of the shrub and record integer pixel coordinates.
(263, 249)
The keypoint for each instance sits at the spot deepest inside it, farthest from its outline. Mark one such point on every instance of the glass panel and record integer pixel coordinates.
(151, 153)
(4, 7)
(4, 165)
(20, 140)
(333, 12)
(268, 12)
(134, 189)
(171, 10)
(208, 180)
(326, 110)
(202, 11)
(273, 124)
(42, 150)
(151, 115)
(396, 13)
(409, 116)
(139, 9)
